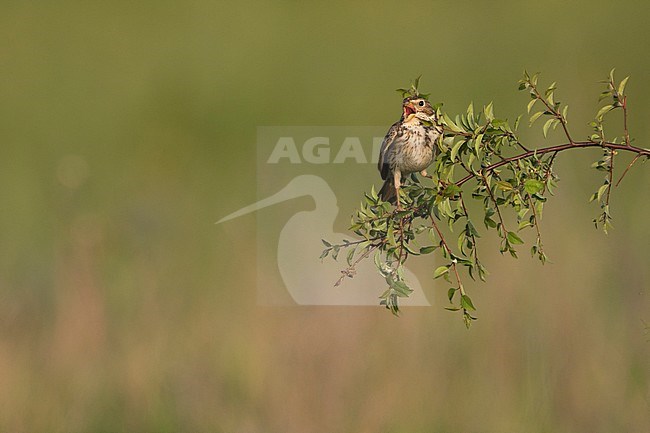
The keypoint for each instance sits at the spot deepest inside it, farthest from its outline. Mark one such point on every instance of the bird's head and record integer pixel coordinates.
(417, 106)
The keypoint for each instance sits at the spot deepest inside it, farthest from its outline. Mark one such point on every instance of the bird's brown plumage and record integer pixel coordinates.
(409, 146)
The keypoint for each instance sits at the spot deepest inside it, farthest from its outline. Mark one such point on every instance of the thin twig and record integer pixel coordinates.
(539, 234)
(549, 170)
(556, 113)
(449, 252)
(558, 148)
(514, 137)
(494, 200)
(401, 240)
(610, 176)
(350, 270)
(626, 132)
(360, 241)
(628, 168)
(474, 250)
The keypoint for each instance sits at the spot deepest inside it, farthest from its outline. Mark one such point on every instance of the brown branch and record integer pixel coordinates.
(401, 239)
(610, 176)
(539, 234)
(474, 251)
(626, 132)
(449, 252)
(559, 148)
(550, 167)
(402, 250)
(549, 170)
(628, 168)
(494, 200)
(466, 214)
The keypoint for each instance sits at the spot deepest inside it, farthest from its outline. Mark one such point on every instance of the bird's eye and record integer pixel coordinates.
(421, 103)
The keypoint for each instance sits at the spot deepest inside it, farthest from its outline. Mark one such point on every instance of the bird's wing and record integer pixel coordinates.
(434, 134)
(386, 148)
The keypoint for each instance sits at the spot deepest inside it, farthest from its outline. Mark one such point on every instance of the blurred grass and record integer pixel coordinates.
(129, 128)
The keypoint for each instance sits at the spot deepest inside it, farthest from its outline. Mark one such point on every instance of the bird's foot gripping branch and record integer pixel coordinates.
(482, 159)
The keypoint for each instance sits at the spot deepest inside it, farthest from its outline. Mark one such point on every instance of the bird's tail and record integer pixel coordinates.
(387, 191)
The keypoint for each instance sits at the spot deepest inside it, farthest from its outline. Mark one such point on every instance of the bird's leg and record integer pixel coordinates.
(396, 181)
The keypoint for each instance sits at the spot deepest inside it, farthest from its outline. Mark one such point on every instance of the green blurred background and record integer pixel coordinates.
(128, 128)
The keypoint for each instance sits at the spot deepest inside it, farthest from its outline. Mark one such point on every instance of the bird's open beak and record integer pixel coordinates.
(408, 109)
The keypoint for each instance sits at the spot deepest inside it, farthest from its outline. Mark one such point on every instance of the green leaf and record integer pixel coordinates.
(455, 149)
(471, 230)
(450, 123)
(551, 88)
(522, 213)
(550, 99)
(488, 111)
(601, 191)
(440, 271)
(547, 125)
(450, 294)
(533, 186)
(564, 111)
(606, 94)
(621, 86)
(467, 318)
(391, 236)
(506, 186)
(373, 193)
(327, 244)
(539, 208)
(530, 104)
(461, 241)
(350, 255)
(466, 303)
(555, 123)
(401, 288)
(428, 249)
(535, 116)
(524, 224)
(445, 208)
(410, 250)
(477, 143)
(378, 260)
(604, 110)
(514, 239)
(489, 223)
(451, 190)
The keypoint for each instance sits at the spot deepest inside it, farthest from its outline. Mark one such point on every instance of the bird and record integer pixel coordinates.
(408, 147)
(308, 280)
